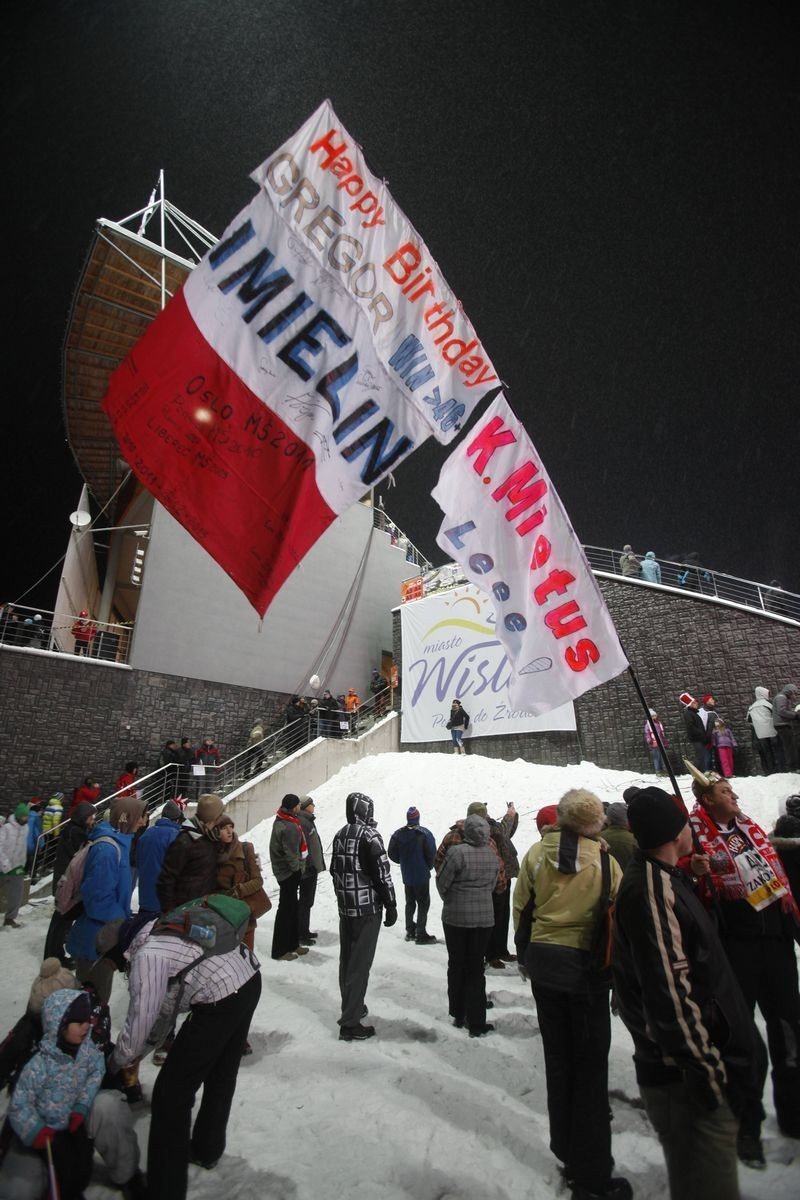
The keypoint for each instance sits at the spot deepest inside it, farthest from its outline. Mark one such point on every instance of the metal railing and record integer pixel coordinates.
(37, 629)
(191, 780)
(693, 577)
(382, 521)
(689, 577)
(155, 789)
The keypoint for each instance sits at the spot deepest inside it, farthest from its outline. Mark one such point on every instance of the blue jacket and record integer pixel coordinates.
(53, 1084)
(105, 891)
(34, 829)
(651, 571)
(153, 845)
(414, 848)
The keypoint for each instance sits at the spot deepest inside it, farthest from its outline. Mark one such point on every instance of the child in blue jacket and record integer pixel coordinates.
(58, 1111)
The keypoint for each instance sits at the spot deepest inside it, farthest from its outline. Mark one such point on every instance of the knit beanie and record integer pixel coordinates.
(306, 802)
(655, 818)
(477, 809)
(172, 811)
(290, 802)
(581, 811)
(412, 816)
(793, 806)
(124, 812)
(21, 811)
(630, 792)
(80, 1010)
(51, 978)
(617, 815)
(547, 816)
(209, 808)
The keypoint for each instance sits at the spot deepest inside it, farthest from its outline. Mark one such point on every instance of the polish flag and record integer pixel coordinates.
(255, 409)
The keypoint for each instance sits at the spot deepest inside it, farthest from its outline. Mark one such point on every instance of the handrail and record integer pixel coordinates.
(173, 779)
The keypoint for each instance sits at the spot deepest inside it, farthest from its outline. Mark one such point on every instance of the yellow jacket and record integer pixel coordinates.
(563, 874)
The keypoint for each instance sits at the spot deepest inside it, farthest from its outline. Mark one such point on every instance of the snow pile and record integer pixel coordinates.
(420, 1111)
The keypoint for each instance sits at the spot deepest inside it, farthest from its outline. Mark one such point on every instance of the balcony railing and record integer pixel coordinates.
(192, 780)
(382, 521)
(692, 577)
(64, 633)
(689, 577)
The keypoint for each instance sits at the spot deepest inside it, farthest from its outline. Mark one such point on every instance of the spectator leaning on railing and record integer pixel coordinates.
(628, 562)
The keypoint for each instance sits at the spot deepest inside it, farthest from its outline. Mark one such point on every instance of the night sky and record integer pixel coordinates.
(610, 189)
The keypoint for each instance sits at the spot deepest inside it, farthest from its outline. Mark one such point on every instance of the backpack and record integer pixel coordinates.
(600, 948)
(215, 923)
(68, 888)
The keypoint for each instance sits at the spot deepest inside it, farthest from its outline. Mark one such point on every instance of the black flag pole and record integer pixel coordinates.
(654, 728)
(676, 790)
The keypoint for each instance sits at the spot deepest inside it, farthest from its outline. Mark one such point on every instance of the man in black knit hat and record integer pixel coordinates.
(694, 1038)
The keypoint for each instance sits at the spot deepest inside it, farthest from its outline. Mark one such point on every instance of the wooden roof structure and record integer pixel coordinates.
(125, 282)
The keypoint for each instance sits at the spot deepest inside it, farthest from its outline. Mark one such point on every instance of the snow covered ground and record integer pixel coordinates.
(420, 1111)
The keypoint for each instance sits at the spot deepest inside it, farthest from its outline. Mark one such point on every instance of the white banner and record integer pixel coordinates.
(344, 220)
(506, 527)
(451, 651)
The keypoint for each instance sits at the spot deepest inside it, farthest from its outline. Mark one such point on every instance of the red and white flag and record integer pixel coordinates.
(506, 526)
(295, 367)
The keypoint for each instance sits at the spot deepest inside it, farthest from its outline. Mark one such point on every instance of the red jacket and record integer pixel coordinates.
(84, 793)
(125, 781)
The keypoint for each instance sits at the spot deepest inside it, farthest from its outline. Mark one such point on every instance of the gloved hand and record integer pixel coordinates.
(391, 915)
(76, 1119)
(45, 1135)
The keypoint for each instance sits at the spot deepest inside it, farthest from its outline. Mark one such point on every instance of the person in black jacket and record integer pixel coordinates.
(187, 754)
(695, 730)
(73, 836)
(190, 864)
(695, 1044)
(458, 725)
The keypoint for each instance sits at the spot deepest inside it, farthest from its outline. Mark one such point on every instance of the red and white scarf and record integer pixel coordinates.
(726, 876)
(282, 815)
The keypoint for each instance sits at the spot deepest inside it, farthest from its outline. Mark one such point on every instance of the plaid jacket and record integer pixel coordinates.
(467, 878)
(362, 878)
(454, 837)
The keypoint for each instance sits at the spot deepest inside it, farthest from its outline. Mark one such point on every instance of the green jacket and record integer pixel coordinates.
(621, 843)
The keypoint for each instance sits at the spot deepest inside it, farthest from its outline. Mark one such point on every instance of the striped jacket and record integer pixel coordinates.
(676, 990)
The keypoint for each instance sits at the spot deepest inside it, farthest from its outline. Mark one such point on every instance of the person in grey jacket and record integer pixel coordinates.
(651, 571)
(315, 865)
(628, 561)
(466, 882)
(759, 714)
(786, 723)
(288, 854)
